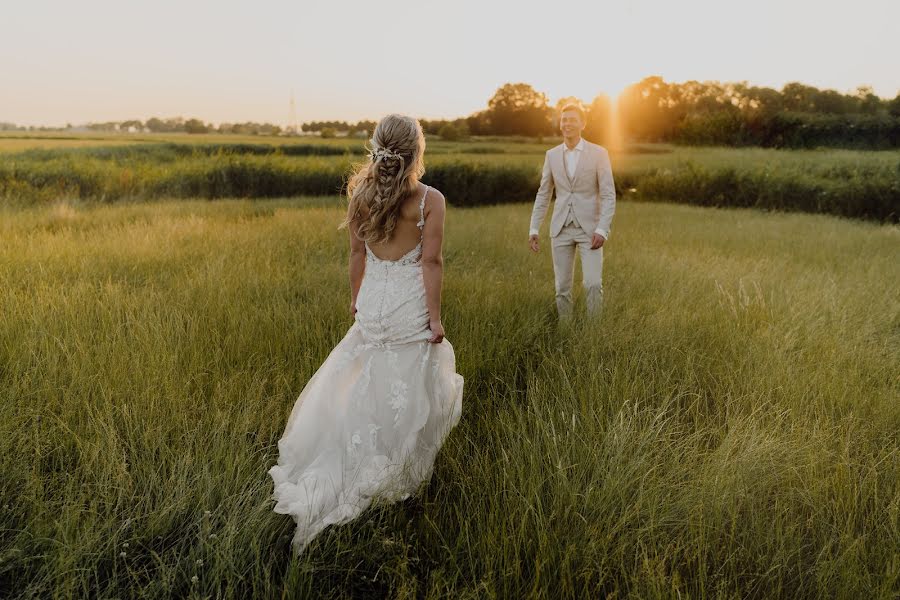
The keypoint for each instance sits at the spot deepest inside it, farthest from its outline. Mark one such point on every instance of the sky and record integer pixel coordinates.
(98, 60)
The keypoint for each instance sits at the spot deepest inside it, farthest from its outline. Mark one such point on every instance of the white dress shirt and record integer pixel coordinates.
(571, 156)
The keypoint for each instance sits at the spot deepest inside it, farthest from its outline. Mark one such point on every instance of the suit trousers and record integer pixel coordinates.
(563, 247)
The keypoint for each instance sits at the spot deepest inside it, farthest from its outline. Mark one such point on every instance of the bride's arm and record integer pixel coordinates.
(357, 263)
(433, 261)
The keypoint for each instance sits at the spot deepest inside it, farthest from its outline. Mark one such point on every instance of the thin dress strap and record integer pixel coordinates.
(421, 222)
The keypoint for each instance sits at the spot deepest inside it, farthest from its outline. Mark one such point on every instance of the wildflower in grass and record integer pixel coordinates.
(195, 579)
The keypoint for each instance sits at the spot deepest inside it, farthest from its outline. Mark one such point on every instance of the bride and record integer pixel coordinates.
(369, 423)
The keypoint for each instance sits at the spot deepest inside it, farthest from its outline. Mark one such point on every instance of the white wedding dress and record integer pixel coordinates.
(370, 421)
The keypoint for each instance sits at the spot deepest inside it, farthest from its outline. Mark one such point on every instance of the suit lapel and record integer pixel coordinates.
(562, 161)
(561, 164)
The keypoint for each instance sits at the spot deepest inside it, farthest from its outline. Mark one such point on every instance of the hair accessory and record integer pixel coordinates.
(383, 153)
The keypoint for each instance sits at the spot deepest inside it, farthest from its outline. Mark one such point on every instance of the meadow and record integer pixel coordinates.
(43, 170)
(730, 428)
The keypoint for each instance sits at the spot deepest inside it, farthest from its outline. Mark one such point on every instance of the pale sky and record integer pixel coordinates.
(101, 60)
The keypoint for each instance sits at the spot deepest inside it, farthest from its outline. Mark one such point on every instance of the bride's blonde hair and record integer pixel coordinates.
(391, 174)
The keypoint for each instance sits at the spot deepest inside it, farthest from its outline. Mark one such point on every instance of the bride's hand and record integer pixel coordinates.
(437, 332)
(353, 308)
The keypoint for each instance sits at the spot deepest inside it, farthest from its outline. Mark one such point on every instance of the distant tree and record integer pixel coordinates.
(450, 132)
(651, 109)
(832, 102)
(894, 106)
(517, 108)
(477, 123)
(327, 132)
(195, 126)
(107, 126)
(799, 97)
(175, 124)
(126, 125)
(758, 106)
(462, 126)
(367, 126)
(763, 100)
(432, 126)
(599, 120)
(869, 103)
(320, 125)
(354, 128)
(170, 125)
(268, 129)
(251, 128)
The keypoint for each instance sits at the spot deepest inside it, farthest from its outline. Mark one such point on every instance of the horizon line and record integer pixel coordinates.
(71, 125)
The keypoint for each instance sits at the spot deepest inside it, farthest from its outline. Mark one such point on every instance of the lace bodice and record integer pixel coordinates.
(390, 306)
(414, 256)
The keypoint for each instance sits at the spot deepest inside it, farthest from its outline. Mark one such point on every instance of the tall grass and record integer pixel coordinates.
(728, 429)
(11, 142)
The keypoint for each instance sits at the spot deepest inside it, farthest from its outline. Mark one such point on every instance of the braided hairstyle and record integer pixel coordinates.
(391, 174)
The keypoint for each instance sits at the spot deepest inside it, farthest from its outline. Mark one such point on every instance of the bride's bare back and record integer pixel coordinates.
(406, 234)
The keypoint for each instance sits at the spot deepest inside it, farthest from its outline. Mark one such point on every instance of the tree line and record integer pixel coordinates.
(692, 113)
(652, 110)
(737, 114)
(158, 125)
(699, 113)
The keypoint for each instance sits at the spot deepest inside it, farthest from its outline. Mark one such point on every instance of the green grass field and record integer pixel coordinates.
(729, 429)
(17, 141)
(42, 169)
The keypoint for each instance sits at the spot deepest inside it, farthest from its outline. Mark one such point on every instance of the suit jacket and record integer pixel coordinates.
(591, 192)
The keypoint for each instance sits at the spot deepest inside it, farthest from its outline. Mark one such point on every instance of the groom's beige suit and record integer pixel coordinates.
(585, 203)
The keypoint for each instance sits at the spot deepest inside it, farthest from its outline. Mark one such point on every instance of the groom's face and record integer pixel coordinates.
(570, 124)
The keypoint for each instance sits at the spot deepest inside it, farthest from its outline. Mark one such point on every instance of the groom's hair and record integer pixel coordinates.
(575, 108)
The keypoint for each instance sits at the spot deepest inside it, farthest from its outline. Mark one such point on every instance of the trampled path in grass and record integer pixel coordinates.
(729, 428)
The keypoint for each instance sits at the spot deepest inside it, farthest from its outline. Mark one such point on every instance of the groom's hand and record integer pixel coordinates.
(597, 241)
(533, 242)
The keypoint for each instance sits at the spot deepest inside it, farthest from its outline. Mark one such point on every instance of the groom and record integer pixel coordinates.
(582, 214)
